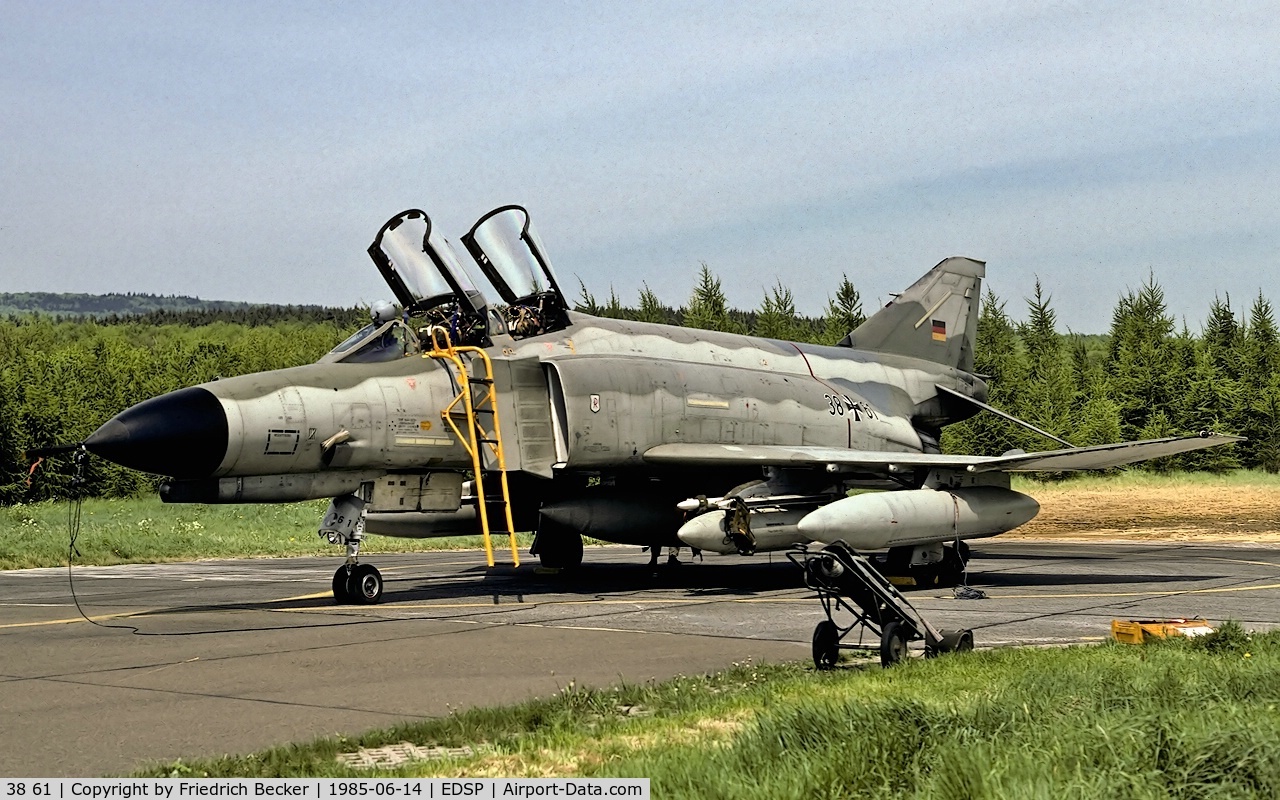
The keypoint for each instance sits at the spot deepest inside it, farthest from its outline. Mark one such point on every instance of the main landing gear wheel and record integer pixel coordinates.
(954, 560)
(559, 547)
(826, 641)
(893, 644)
(365, 585)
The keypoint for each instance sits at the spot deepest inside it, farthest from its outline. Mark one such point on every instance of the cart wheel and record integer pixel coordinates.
(893, 644)
(826, 645)
(955, 641)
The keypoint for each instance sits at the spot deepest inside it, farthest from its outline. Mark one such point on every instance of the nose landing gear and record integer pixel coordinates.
(344, 524)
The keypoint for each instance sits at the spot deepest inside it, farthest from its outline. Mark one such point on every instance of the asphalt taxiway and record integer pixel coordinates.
(213, 657)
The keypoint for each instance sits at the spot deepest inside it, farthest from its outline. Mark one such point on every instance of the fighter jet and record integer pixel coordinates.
(465, 413)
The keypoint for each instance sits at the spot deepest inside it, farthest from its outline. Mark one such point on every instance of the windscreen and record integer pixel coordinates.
(508, 249)
(376, 342)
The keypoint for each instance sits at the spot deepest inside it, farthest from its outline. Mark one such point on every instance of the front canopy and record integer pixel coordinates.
(421, 267)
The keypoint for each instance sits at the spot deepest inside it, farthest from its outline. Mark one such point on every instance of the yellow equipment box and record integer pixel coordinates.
(1137, 631)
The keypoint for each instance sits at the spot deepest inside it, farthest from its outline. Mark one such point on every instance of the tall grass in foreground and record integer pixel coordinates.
(1099, 722)
(1177, 719)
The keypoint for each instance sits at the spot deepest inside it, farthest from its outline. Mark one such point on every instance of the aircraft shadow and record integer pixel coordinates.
(613, 580)
(979, 555)
(1013, 579)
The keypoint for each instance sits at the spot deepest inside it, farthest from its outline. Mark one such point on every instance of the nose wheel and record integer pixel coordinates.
(340, 579)
(360, 584)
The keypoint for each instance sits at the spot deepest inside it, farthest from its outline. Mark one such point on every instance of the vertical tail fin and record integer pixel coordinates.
(935, 320)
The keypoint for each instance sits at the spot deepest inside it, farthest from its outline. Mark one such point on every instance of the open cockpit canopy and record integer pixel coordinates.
(513, 258)
(425, 274)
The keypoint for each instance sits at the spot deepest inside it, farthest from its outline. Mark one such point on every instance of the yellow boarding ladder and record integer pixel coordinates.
(476, 435)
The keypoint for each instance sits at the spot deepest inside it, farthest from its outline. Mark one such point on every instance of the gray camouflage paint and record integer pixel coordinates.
(614, 399)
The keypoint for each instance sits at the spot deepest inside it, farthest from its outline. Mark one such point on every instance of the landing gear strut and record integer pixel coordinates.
(344, 524)
(929, 566)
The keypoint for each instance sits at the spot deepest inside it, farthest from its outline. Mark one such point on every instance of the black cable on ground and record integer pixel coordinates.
(80, 459)
(964, 591)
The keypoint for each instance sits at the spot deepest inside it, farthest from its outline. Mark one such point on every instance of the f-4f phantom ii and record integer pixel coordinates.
(454, 416)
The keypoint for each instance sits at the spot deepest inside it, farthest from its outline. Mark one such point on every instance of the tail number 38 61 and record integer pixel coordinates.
(842, 404)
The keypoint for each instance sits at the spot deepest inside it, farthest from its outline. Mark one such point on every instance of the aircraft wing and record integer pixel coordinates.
(1104, 456)
(1065, 460)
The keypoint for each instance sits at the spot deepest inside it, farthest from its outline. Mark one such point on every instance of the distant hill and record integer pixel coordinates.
(166, 309)
(101, 305)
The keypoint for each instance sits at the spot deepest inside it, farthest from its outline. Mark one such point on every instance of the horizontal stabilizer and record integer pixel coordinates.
(1072, 459)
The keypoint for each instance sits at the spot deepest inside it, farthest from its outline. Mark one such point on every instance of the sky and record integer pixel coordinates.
(250, 151)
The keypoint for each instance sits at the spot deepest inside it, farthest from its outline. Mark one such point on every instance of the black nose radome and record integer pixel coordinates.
(182, 434)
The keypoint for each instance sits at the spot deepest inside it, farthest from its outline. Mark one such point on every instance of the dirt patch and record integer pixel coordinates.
(547, 762)
(1174, 512)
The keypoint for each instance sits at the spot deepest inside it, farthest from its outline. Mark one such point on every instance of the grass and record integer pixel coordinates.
(1183, 718)
(145, 530)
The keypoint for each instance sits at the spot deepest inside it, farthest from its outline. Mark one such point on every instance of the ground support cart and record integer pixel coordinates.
(850, 587)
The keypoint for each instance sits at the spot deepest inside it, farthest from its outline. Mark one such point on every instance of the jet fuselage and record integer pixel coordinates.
(592, 397)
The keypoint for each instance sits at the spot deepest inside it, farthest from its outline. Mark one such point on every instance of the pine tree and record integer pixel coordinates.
(707, 308)
(1142, 374)
(1258, 414)
(1158, 426)
(1223, 337)
(844, 313)
(1262, 343)
(777, 317)
(1097, 417)
(1048, 394)
(1210, 403)
(1190, 407)
(12, 477)
(586, 301)
(613, 309)
(1214, 398)
(651, 309)
(1098, 422)
(1264, 452)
